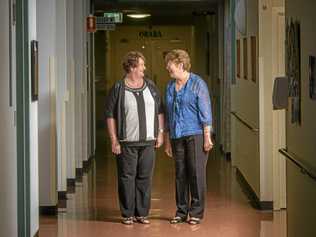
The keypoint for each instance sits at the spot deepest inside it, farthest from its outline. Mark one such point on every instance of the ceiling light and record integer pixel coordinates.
(138, 16)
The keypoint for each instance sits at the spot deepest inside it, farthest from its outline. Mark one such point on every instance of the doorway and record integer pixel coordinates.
(154, 43)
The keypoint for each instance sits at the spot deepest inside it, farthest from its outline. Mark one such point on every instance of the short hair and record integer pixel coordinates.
(130, 60)
(178, 56)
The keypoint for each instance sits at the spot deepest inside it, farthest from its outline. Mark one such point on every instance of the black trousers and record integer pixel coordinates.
(134, 171)
(190, 162)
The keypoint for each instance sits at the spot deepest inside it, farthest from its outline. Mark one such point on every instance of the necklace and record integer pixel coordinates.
(137, 84)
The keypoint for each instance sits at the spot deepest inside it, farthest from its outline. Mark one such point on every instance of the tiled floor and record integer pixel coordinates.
(93, 209)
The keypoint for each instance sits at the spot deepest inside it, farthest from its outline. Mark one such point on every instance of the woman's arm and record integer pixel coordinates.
(116, 147)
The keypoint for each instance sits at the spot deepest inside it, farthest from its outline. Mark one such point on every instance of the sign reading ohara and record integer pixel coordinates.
(150, 34)
(91, 25)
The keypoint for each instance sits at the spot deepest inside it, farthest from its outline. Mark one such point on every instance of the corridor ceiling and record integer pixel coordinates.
(162, 11)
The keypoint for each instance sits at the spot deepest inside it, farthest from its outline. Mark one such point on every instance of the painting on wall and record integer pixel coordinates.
(34, 70)
(245, 57)
(312, 77)
(253, 48)
(238, 58)
(293, 68)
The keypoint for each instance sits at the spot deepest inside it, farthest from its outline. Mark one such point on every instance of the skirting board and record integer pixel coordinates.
(48, 210)
(62, 195)
(71, 185)
(250, 193)
(79, 173)
(227, 155)
(87, 164)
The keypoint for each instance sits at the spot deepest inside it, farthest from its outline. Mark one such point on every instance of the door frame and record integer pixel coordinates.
(23, 118)
(279, 119)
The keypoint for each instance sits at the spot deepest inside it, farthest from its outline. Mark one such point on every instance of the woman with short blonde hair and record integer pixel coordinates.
(188, 136)
(179, 56)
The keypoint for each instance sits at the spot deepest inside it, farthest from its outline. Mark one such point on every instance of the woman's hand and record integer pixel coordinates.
(208, 144)
(159, 140)
(168, 148)
(116, 147)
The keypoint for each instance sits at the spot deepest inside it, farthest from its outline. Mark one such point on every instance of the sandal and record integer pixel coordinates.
(194, 221)
(142, 220)
(127, 220)
(177, 220)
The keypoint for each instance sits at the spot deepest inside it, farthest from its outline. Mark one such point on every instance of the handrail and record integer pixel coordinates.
(244, 122)
(305, 170)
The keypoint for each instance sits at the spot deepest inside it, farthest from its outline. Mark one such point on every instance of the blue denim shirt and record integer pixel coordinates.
(189, 109)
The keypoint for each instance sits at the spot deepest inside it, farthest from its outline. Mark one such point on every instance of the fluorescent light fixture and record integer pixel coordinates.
(138, 16)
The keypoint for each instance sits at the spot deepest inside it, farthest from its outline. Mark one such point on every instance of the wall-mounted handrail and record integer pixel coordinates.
(244, 122)
(304, 169)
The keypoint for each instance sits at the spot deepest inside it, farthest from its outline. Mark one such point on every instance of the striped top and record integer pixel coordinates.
(140, 114)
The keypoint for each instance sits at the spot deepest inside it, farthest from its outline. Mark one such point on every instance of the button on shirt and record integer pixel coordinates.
(189, 109)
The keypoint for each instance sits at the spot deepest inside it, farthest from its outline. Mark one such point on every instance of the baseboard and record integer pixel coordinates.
(62, 204)
(71, 185)
(227, 155)
(251, 194)
(87, 164)
(62, 199)
(48, 210)
(62, 195)
(79, 173)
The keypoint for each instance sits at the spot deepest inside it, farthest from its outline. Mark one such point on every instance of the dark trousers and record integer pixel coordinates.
(134, 170)
(190, 163)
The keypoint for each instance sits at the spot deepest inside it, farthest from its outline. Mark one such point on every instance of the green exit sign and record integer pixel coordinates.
(113, 17)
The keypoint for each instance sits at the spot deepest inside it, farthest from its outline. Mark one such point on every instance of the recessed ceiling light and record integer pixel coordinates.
(138, 16)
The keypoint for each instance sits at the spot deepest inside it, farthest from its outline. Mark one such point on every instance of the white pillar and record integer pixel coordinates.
(46, 25)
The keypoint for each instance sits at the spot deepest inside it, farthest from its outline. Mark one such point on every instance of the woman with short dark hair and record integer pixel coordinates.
(135, 123)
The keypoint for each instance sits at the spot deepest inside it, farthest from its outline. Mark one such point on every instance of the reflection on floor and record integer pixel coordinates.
(93, 209)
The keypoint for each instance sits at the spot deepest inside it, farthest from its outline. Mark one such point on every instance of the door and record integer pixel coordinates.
(126, 45)
(159, 48)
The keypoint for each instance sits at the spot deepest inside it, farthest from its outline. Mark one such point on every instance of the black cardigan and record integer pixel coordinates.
(115, 106)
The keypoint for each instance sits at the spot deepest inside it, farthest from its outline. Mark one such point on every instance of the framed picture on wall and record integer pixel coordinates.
(238, 58)
(312, 77)
(253, 48)
(34, 70)
(293, 67)
(245, 57)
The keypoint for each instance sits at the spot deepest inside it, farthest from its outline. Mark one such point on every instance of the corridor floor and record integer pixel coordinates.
(93, 209)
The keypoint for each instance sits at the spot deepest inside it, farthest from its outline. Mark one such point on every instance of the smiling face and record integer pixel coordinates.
(138, 71)
(175, 70)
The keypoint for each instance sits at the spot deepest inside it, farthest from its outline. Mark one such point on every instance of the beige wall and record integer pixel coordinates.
(301, 139)
(252, 101)
(245, 102)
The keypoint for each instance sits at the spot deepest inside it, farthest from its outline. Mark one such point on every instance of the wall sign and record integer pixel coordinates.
(150, 34)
